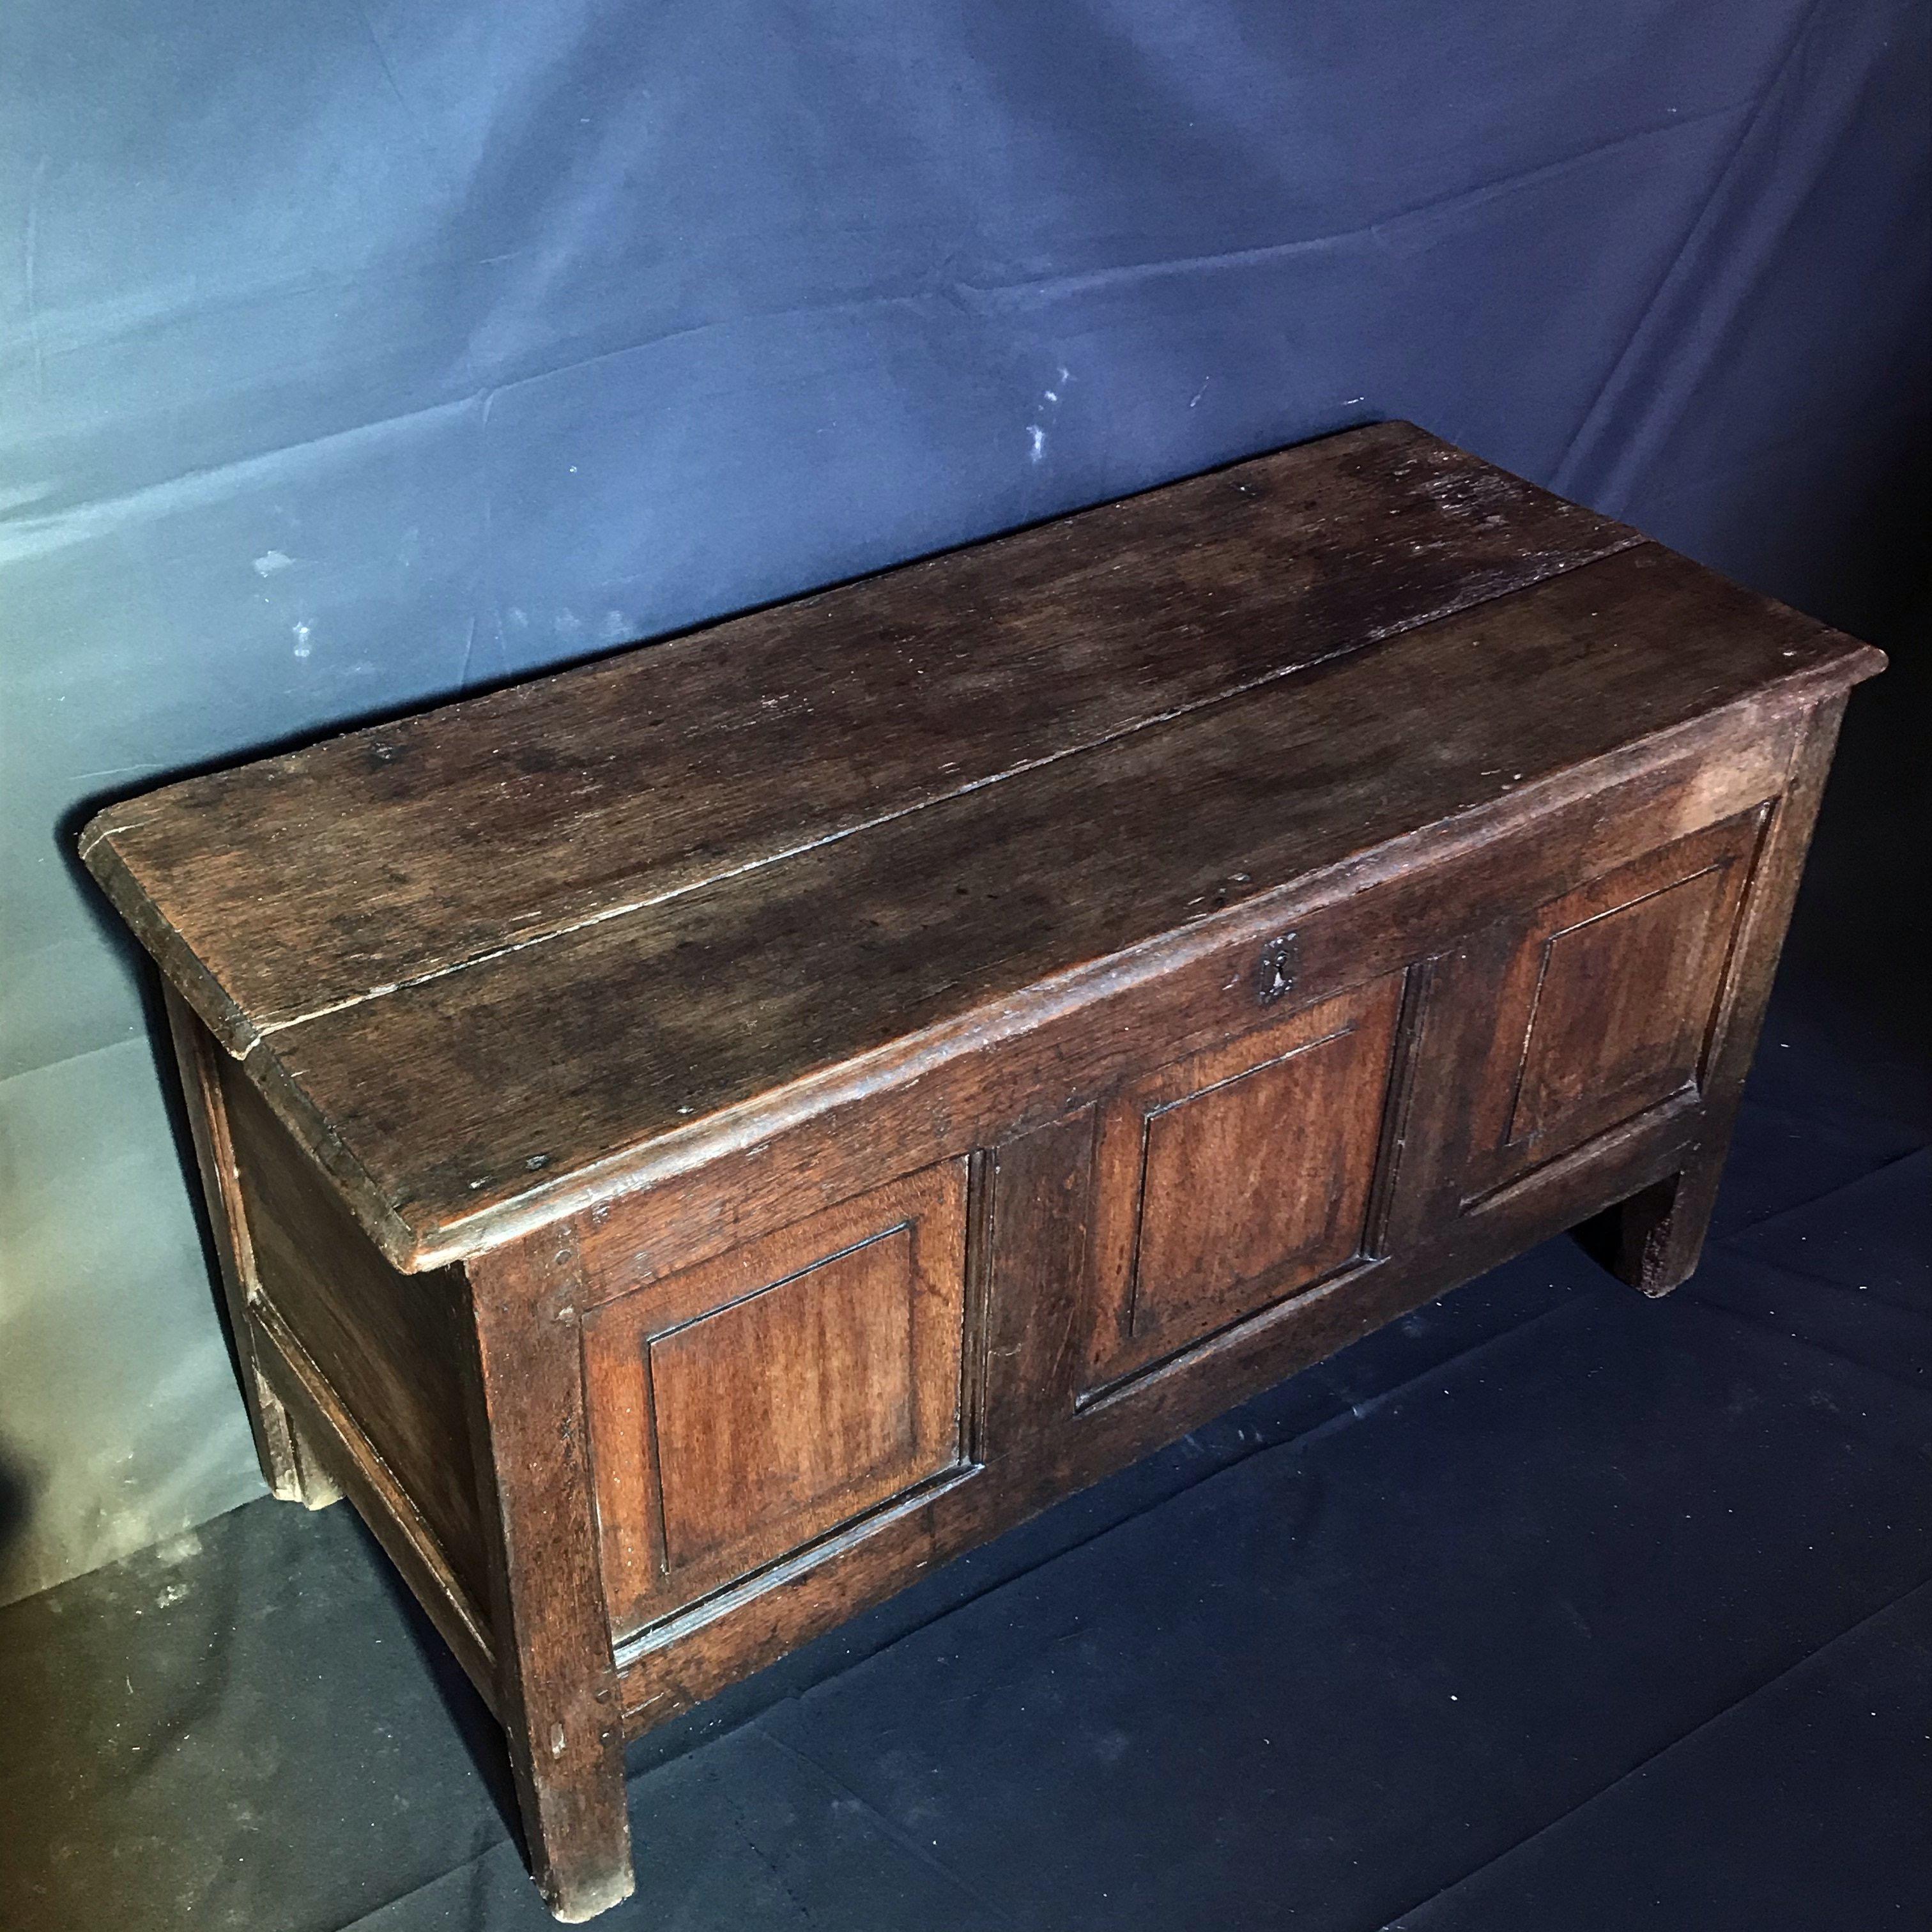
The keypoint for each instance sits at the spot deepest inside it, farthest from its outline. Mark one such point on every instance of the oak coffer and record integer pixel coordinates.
(695, 1140)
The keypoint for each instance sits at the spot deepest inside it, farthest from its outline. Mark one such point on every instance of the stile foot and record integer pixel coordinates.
(1655, 1238)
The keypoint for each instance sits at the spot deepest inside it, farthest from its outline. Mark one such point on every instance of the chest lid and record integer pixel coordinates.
(595, 922)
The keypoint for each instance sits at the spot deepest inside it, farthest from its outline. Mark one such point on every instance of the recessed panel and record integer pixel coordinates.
(746, 1407)
(1235, 1178)
(1619, 1010)
(799, 1395)
(1242, 1186)
(1605, 1006)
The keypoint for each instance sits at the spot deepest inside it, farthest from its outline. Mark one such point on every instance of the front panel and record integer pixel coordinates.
(1603, 1003)
(743, 1409)
(1178, 1193)
(1229, 1181)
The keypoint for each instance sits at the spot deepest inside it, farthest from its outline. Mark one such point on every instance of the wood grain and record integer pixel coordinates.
(1031, 1065)
(1654, 1239)
(746, 1407)
(199, 1060)
(1605, 1002)
(387, 1345)
(1237, 1177)
(305, 880)
(336, 1443)
(846, 1079)
(557, 1694)
(1029, 1362)
(755, 1627)
(652, 1035)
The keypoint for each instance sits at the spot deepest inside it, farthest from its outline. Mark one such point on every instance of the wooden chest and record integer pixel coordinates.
(698, 1138)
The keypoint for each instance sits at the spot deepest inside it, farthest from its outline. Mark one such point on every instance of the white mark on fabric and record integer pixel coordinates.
(270, 561)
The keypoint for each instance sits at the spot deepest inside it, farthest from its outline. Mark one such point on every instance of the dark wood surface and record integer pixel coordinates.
(650, 1039)
(1237, 1177)
(655, 1040)
(198, 1060)
(297, 882)
(845, 1080)
(557, 1691)
(389, 1349)
(1606, 1000)
(1037, 1202)
(709, 1466)
(1654, 1239)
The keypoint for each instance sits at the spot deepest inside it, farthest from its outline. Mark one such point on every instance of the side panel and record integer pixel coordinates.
(198, 1058)
(387, 1345)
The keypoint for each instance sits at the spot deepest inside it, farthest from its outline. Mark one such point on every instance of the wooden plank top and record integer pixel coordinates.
(590, 926)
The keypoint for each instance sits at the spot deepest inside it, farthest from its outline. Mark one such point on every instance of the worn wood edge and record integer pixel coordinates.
(186, 980)
(737, 1129)
(234, 1248)
(1243, 1330)
(181, 967)
(290, 1102)
(1677, 1120)
(671, 1629)
(333, 1434)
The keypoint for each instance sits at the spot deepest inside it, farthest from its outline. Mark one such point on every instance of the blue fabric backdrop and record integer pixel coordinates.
(353, 356)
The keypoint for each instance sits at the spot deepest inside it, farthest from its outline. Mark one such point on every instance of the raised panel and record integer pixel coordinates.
(1617, 1011)
(742, 1409)
(387, 1344)
(1603, 1003)
(843, 1408)
(1235, 1178)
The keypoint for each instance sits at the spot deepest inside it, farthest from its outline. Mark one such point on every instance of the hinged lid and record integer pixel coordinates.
(593, 924)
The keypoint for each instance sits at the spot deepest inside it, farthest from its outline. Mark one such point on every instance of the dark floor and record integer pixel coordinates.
(1548, 1609)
